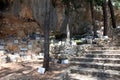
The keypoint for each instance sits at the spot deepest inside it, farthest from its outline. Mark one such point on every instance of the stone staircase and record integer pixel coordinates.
(99, 62)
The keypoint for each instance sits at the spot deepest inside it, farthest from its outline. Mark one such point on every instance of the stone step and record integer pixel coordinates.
(103, 51)
(105, 66)
(97, 72)
(99, 60)
(104, 55)
(75, 76)
(105, 48)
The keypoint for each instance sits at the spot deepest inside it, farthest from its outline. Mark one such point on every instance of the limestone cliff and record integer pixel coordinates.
(27, 14)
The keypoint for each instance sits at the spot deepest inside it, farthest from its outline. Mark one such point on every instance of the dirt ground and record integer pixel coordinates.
(28, 71)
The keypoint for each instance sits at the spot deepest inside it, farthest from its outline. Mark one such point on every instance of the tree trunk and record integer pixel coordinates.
(93, 17)
(67, 22)
(64, 24)
(105, 17)
(68, 34)
(112, 13)
(46, 35)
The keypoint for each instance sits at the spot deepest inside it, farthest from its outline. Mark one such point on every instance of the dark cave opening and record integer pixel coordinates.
(4, 4)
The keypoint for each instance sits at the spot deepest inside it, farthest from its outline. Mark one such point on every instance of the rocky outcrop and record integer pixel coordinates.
(12, 26)
(35, 9)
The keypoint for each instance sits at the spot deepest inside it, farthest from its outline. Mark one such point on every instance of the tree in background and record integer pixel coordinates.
(112, 13)
(70, 6)
(105, 4)
(105, 17)
(92, 4)
(46, 34)
(67, 17)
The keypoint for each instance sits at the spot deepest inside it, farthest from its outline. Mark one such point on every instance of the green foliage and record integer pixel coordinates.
(66, 2)
(116, 3)
(99, 2)
(71, 3)
(79, 42)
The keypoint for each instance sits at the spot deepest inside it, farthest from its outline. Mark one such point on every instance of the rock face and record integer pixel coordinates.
(24, 17)
(23, 12)
(34, 10)
(11, 26)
